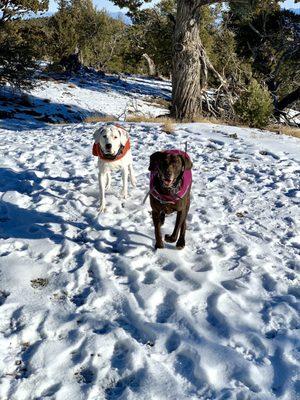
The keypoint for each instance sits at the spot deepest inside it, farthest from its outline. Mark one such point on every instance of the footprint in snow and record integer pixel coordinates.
(173, 342)
(167, 308)
(268, 153)
(182, 276)
(150, 277)
(215, 317)
(3, 296)
(189, 367)
(122, 356)
(268, 282)
(84, 375)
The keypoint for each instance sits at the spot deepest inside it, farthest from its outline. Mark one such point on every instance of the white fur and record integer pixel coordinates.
(111, 134)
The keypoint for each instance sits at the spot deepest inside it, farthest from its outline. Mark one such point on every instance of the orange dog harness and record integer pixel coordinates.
(97, 152)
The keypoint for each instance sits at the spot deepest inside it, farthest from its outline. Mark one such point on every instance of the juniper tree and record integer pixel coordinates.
(190, 60)
(269, 38)
(17, 50)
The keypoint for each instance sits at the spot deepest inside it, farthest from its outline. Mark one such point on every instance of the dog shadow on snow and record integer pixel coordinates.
(19, 222)
(29, 223)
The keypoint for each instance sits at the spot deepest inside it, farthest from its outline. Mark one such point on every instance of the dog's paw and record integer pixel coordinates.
(101, 209)
(124, 195)
(159, 245)
(180, 244)
(170, 239)
(133, 182)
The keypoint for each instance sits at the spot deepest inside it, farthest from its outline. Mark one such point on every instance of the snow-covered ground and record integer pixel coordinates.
(81, 97)
(89, 311)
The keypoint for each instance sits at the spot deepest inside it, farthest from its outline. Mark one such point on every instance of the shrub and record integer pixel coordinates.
(255, 105)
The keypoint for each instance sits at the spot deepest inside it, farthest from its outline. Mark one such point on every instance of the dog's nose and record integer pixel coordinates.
(108, 146)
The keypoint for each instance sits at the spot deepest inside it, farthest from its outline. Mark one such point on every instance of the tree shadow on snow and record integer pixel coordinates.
(21, 111)
(140, 86)
(17, 221)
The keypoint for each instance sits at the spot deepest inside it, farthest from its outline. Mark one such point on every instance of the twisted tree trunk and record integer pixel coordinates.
(151, 65)
(186, 90)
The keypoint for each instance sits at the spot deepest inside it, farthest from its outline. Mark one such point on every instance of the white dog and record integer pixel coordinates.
(112, 147)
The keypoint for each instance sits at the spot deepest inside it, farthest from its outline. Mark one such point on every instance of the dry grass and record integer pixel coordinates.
(99, 118)
(168, 124)
(285, 130)
(166, 119)
(141, 118)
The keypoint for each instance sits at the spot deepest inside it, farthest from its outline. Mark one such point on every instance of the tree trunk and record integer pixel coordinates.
(151, 64)
(186, 90)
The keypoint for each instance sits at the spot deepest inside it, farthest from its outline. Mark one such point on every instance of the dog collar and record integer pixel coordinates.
(97, 152)
(180, 191)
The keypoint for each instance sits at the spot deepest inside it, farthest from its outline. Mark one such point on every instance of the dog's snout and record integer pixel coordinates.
(108, 146)
(168, 173)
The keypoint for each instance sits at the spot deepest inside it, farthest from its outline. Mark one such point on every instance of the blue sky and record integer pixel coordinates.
(106, 4)
(109, 6)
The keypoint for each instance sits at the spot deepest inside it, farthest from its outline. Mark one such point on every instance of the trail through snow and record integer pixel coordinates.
(88, 310)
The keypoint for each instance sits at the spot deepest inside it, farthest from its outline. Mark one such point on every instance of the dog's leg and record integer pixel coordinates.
(108, 180)
(156, 216)
(125, 182)
(131, 176)
(102, 178)
(181, 215)
(181, 241)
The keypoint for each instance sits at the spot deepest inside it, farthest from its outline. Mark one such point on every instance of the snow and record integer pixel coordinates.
(61, 99)
(88, 309)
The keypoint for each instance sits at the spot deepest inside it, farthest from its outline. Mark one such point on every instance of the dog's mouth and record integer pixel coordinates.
(108, 150)
(167, 181)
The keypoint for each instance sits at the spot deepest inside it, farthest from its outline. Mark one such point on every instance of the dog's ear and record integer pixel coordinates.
(97, 134)
(123, 135)
(186, 163)
(154, 159)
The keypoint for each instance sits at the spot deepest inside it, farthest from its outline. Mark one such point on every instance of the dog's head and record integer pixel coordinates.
(111, 138)
(169, 166)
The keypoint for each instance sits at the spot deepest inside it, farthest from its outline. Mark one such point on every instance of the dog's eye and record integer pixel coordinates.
(104, 136)
(115, 137)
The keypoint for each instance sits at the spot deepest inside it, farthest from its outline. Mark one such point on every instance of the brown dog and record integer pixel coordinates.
(170, 186)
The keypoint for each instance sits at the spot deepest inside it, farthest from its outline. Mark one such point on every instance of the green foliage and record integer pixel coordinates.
(18, 50)
(268, 39)
(255, 106)
(100, 40)
(151, 34)
(14, 9)
(64, 35)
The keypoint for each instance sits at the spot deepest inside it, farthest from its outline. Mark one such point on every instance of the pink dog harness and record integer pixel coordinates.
(177, 193)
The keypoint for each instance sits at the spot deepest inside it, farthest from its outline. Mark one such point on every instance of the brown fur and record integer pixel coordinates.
(169, 166)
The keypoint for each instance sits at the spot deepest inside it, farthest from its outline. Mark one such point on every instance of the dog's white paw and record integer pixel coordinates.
(124, 195)
(101, 209)
(133, 182)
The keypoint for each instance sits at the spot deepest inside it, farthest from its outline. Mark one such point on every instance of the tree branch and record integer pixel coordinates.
(289, 99)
